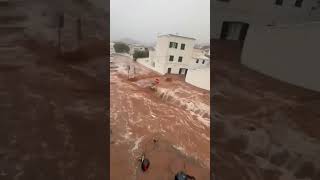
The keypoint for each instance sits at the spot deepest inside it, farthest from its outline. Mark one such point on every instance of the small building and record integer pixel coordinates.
(136, 47)
(199, 61)
(207, 52)
(112, 51)
(199, 77)
(232, 19)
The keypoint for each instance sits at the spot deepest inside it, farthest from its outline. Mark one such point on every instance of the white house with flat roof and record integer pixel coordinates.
(136, 47)
(176, 54)
(172, 55)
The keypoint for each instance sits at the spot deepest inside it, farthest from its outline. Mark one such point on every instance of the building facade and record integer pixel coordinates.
(277, 38)
(175, 54)
(289, 53)
(172, 54)
(233, 18)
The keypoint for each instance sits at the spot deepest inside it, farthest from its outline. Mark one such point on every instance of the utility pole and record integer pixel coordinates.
(134, 71)
(128, 71)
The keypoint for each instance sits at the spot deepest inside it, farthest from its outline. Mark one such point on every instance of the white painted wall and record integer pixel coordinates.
(194, 65)
(199, 78)
(260, 13)
(112, 51)
(163, 52)
(289, 53)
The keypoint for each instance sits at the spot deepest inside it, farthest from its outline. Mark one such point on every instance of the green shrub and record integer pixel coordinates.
(121, 48)
(140, 54)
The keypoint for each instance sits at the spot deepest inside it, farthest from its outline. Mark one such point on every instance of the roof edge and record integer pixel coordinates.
(177, 36)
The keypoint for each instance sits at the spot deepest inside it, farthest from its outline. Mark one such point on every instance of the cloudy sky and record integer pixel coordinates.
(143, 20)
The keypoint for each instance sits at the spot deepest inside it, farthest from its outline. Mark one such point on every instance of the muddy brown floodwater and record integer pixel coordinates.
(175, 113)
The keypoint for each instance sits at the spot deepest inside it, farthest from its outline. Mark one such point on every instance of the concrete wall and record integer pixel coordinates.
(199, 78)
(289, 53)
(112, 51)
(134, 48)
(260, 12)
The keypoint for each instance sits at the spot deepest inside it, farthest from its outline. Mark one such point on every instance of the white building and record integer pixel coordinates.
(289, 53)
(279, 38)
(172, 55)
(199, 60)
(136, 47)
(232, 18)
(175, 54)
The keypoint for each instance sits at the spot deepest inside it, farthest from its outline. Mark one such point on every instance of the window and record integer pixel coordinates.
(180, 59)
(203, 61)
(171, 58)
(197, 61)
(298, 3)
(183, 46)
(173, 45)
(279, 2)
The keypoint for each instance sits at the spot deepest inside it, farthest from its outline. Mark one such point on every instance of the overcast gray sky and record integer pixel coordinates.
(142, 20)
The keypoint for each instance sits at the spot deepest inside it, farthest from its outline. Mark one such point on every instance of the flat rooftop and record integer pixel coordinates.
(173, 35)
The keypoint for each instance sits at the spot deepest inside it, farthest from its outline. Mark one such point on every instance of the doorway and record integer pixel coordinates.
(183, 71)
(234, 30)
(169, 70)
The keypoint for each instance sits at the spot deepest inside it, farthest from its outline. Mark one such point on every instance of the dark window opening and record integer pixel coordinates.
(203, 61)
(183, 71)
(183, 46)
(279, 2)
(298, 3)
(173, 45)
(197, 61)
(169, 70)
(171, 58)
(234, 31)
(180, 59)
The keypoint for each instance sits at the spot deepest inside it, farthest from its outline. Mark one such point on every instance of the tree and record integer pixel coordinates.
(140, 54)
(121, 48)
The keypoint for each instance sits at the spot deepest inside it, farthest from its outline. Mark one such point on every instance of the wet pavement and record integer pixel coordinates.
(264, 129)
(174, 114)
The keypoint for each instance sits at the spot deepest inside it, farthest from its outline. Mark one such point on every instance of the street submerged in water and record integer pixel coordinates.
(169, 124)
